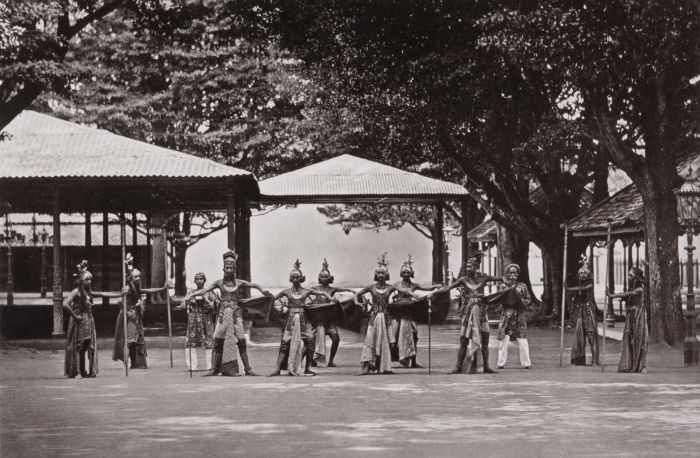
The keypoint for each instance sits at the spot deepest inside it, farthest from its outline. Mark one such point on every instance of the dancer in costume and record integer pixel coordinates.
(635, 339)
(229, 335)
(583, 319)
(135, 308)
(325, 279)
(81, 338)
(512, 322)
(474, 332)
(406, 329)
(380, 336)
(297, 338)
(201, 313)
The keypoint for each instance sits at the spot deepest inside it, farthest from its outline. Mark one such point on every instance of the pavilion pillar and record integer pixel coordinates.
(242, 242)
(147, 261)
(158, 254)
(88, 235)
(438, 246)
(629, 257)
(611, 282)
(57, 274)
(135, 239)
(105, 256)
(231, 221)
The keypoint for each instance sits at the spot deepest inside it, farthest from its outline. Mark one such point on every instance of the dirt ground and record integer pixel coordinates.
(545, 411)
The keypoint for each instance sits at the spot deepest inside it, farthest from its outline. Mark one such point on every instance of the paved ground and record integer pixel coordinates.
(546, 411)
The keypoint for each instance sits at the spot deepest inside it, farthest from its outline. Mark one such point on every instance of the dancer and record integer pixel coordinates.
(325, 279)
(297, 339)
(474, 332)
(201, 311)
(405, 328)
(513, 299)
(583, 317)
(81, 338)
(380, 336)
(635, 339)
(135, 308)
(229, 334)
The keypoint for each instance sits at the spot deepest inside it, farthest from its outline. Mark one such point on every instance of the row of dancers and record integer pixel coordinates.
(216, 322)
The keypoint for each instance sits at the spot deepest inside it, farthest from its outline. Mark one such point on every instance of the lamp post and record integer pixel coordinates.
(9, 237)
(45, 239)
(447, 231)
(688, 200)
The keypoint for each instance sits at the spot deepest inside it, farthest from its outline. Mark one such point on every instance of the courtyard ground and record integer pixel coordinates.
(545, 411)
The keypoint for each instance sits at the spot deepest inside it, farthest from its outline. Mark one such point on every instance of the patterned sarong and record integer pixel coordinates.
(376, 344)
(229, 327)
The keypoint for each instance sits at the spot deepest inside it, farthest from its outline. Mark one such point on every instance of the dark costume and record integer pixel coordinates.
(325, 329)
(297, 338)
(380, 333)
(474, 331)
(201, 319)
(406, 330)
(635, 339)
(228, 333)
(135, 339)
(513, 299)
(583, 309)
(81, 339)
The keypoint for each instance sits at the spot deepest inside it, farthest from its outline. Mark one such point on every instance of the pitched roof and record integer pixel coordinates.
(624, 209)
(350, 178)
(484, 232)
(44, 146)
(112, 172)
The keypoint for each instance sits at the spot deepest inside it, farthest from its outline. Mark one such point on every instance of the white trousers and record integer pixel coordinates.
(207, 355)
(523, 350)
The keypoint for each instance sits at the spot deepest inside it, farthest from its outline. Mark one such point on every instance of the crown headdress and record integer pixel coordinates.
(230, 254)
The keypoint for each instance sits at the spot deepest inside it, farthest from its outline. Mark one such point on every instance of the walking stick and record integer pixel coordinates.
(167, 302)
(122, 222)
(563, 298)
(605, 306)
(189, 342)
(430, 311)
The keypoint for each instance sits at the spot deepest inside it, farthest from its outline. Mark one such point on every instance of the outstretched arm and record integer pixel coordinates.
(359, 294)
(403, 290)
(256, 286)
(313, 292)
(203, 291)
(428, 287)
(453, 285)
(344, 290)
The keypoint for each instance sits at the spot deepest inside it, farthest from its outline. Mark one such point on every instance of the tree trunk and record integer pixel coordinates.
(180, 272)
(553, 269)
(514, 249)
(158, 267)
(660, 226)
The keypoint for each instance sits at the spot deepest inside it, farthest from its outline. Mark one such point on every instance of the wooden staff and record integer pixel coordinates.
(563, 298)
(430, 311)
(125, 349)
(167, 301)
(605, 306)
(189, 349)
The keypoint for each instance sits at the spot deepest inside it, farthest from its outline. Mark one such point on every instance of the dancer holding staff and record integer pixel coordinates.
(406, 328)
(201, 313)
(229, 335)
(135, 308)
(583, 308)
(81, 338)
(635, 338)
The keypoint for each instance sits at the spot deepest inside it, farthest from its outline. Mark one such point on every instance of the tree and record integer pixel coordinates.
(427, 90)
(631, 67)
(35, 37)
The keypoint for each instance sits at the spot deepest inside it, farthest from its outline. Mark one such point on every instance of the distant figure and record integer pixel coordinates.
(405, 328)
(81, 339)
(135, 308)
(201, 313)
(325, 279)
(229, 335)
(513, 299)
(474, 332)
(376, 353)
(297, 339)
(635, 339)
(583, 320)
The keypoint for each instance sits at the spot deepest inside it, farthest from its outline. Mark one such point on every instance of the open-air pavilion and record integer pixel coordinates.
(348, 179)
(53, 166)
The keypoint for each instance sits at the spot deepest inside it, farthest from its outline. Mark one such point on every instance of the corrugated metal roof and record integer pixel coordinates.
(350, 176)
(44, 146)
(624, 209)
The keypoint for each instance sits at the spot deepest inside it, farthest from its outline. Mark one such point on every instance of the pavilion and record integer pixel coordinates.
(55, 166)
(347, 179)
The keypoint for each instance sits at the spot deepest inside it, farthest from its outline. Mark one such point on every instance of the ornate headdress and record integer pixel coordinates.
(324, 269)
(200, 275)
(407, 266)
(82, 272)
(513, 266)
(130, 269)
(230, 256)
(475, 259)
(584, 266)
(382, 266)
